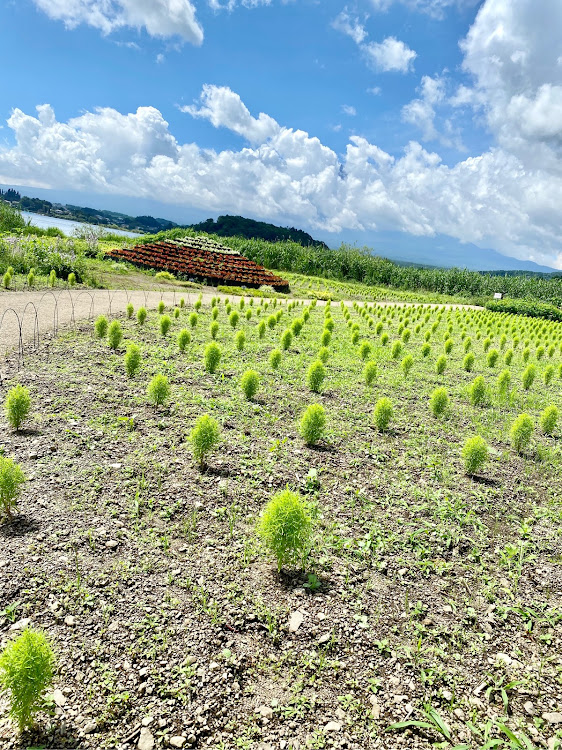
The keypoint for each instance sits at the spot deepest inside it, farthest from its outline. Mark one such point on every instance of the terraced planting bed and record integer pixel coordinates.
(427, 611)
(212, 262)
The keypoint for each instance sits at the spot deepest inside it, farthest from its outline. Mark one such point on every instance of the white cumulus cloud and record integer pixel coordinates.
(160, 18)
(390, 55)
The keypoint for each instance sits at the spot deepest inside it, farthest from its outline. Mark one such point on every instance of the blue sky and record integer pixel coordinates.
(427, 118)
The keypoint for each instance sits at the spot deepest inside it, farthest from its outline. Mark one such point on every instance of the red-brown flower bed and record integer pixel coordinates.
(197, 263)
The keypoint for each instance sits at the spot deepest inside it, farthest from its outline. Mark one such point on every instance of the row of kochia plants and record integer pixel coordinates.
(286, 526)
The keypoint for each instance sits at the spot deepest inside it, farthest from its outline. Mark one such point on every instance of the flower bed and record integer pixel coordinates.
(198, 262)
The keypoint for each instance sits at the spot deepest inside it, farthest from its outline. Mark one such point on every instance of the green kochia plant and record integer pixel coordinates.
(326, 337)
(165, 324)
(407, 364)
(315, 376)
(474, 454)
(203, 437)
(286, 339)
(365, 350)
(27, 665)
(212, 356)
(286, 528)
(214, 329)
(370, 373)
(240, 340)
(100, 326)
(133, 359)
(383, 413)
(438, 402)
(161, 307)
(193, 319)
(441, 364)
(521, 431)
(141, 315)
(233, 318)
(17, 404)
(250, 383)
(323, 354)
(130, 310)
(184, 338)
(114, 334)
(548, 419)
(528, 377)
(11, 479)
(275, 358)
(159, 390)
(468, 362)
(477, 391)
(312, 424)
(261, 329)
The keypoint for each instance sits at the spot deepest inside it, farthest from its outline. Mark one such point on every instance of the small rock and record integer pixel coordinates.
(59, 698)
(295, 621)
(447, 695)
(332, 726)
(21, 624)
(324, 638)
(266, 712)
(375, 707)
(69, 620)
(147, 721)
(529, 708)
(146, 740)
(555, 717)
(178, 741)
(112, 544)
(90, 727)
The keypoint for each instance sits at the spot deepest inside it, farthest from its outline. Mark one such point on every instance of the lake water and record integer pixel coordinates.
(67, 226)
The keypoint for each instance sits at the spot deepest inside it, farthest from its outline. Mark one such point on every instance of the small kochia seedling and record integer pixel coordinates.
(323, 354)
(521, 432)
(214, 329)
(161, 307)
(439, 402)
(312, 424)
(130, 310)
(193, 318)
(215, 313)
(383, 414)
(364, 350)
(71, 279)
(133, 359)
(528, 377)
(27, 665)
(548, 419)
(240, 340)
(504, 383)
(286, 528)
(184, 339)
(407, 364)
(11, 479)
(396, 349)
(114, 334)
(176, 312)
(212, 356)
(250, 383)
(159, 390)
(474, 454)
(203, 437)
(17, 404)
(141, 315)
(468, 362)
(315, 376)
(261, 328)
(165, 324)
(233, 318)
(477, 391)
(100, 326)
(326, 337)
(52, 278)
(286, 339)
(441, 364)
(370, 373)
(275, 359)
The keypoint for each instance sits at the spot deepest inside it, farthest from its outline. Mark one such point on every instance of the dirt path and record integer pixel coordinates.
(28, 317)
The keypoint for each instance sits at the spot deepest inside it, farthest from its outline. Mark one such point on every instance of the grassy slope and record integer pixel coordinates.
(436, 588)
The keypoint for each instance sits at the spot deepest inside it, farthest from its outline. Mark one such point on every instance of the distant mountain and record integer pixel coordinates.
(239, 226)
(446, 252)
